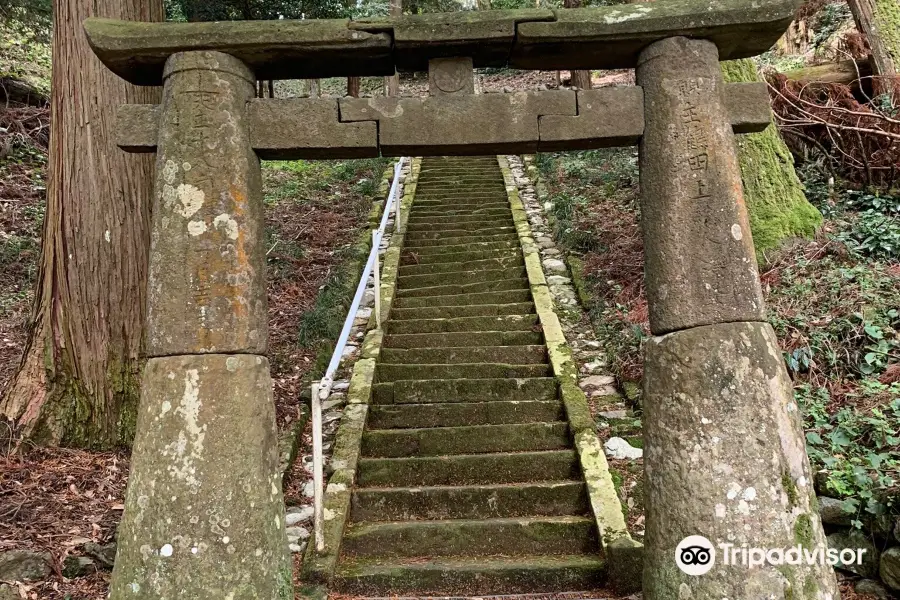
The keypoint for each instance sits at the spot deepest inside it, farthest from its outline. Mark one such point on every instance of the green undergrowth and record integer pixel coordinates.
(23, 57)
(834, 302)
(317, 237)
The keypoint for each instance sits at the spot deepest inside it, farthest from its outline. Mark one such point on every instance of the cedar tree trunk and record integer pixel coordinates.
(78, 383)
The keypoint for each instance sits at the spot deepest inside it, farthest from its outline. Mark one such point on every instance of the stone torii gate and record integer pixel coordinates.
(724, 447)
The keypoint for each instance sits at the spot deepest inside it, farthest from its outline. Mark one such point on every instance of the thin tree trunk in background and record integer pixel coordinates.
(392, 83)
(271, 88)
(353, 86)
(313, 87)
(79, 380)
(581, 79)
(879, 20)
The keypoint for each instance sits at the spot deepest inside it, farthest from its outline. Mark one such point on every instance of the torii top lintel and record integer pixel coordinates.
(575, 38)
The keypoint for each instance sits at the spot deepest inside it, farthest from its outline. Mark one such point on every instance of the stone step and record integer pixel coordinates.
(502, 285)
(444, 234)
(463, 191)
(469, 203)
(424, 213)
(463, 338)
(468, 241)
(484, 264)
(472, 577)
(415, 258)
(478, 223)
(462, 183)
(471, 310)
(385, 372)
(514, 355)
(442, 249)
(526, 322)
(452, 414)
(426, 391)
(470, 502)
(510, 297)
(467, 439)
(470, 469)
(460, 277)
(473, 537)
(451, 205)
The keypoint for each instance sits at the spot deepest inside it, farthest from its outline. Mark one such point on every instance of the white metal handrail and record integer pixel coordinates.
(322, 389)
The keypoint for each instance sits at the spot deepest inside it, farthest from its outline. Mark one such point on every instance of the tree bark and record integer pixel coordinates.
(353, 86)
(845, 71)
(580, 79)
(78, 382)
(774, 195)
(879, 21)
(392, 82)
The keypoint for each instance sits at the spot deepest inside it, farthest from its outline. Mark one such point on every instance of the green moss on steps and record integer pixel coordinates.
(469, 469)
(455, 577)
(469, 439)
(470, 502)
(444, 414)
(465, 390)
(531, 535)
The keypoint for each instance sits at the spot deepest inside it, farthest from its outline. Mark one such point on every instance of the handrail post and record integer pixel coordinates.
(318, 470)
(376, 272)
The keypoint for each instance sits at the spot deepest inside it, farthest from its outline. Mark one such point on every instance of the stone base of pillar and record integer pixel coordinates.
(204, 512)
(725, 459)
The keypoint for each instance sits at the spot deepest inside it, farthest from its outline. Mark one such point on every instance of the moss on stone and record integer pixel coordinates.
(774, 195)
(787, 482)
(576, 268)
(803, 531)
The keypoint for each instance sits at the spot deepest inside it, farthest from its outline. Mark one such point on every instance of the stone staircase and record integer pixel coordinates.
(468, 481)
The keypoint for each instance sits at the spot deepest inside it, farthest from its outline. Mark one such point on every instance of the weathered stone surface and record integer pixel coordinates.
(137, 127)
(620, 449)
(207, 288)
(612, 37)
(700, 262)
(588, 38)
(466, 124)
(204, 513)
(450, 76)
(889, 569)
(104, 554)
(308, 127)
(833, 511)
(77, 566)
(285, 49)
(724, 458)
(24, 565)
(856, 540)
(748, 106)
(871, 588)
(607, 117)
(486, 36)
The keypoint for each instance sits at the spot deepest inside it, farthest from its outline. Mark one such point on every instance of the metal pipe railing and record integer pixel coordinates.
(322, 389)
